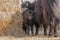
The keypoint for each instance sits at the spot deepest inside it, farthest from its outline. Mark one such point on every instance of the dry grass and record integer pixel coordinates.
(10, 18)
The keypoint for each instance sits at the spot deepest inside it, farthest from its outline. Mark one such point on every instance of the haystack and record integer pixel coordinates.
(10, 18)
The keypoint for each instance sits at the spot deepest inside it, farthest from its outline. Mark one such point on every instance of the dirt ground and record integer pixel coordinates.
(30, 38)
(38, 37)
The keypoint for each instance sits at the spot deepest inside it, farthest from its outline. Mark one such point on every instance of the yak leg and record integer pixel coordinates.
(51, 30)
(55, 32)
(54, 26)
(45, 29)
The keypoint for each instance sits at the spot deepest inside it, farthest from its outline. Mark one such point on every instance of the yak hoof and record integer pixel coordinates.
(36, 34)
(55, 35)
(45, 34)
(50, 34)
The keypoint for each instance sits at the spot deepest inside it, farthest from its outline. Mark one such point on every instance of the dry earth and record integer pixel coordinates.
(25, 37)
(40, 37)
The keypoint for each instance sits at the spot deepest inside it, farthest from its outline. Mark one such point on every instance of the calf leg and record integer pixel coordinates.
(24, 28)
(27, 30)
(32, 29)
(37, 28)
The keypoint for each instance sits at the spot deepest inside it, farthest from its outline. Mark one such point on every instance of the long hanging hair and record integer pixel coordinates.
(48, 7)
(49, 3)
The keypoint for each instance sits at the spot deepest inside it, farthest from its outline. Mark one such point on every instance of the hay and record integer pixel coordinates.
(10, 18)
